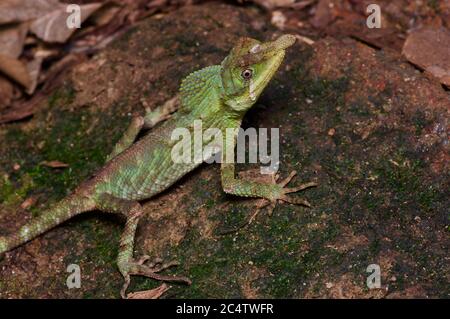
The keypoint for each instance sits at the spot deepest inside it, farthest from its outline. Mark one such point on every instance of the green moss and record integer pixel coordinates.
(374, 247)
(61, 97)
(104, 239)
(11, 194)
(434, 4)
(68, 137)
(420, 122)
(234, 219)
(373, 202)
(407, 182)
(326, 95)
(360, 109)
(80, 139)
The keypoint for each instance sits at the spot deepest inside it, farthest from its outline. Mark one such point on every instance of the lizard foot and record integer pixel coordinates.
(271, 203)
(282, 196)
(151, 270)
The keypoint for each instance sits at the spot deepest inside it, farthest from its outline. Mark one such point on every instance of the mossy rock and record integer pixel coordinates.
(347, 119)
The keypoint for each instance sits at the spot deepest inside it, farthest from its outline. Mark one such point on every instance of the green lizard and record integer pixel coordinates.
(219, 96)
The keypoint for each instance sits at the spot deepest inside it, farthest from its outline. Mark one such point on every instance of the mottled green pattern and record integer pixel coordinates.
(219, 97)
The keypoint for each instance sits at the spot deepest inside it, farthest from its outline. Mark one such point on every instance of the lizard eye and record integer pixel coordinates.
(247, 74)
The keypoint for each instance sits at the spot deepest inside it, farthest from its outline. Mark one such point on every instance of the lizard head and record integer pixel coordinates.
(248, 68)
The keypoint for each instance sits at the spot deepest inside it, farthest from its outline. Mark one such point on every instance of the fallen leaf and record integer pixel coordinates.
(24, 10)
(272, 4)
(324, 14)
(12, 38)
(30, 201)
(53, 26)
(278, 19)
(149, 294)
(53, 76)
(348, 23)
(429, 49)
(302, 4)
(6, 92)
(105, 14)
(22, 109)
(15, 69)
(34, 67)
(54, 164)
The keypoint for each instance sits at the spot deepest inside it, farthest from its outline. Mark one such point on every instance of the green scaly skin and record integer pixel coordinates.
(219, 96)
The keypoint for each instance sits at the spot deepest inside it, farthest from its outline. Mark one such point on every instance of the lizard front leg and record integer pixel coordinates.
(138, 122)
(270, 193)
(127, 265)
(161, 113)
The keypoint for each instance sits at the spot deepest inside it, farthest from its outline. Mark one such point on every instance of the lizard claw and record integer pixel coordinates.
(299, 188)
(296, 201)
(152, 270)
(271, 203)
(286, 180)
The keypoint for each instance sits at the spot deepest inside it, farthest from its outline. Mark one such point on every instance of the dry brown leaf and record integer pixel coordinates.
(6, 92)
(105, 14)
(24, 10)
(12, 39)
(149, 294)
(430, 50)
(15, 69)
(54, 164)
(278, 19)
(53, 26)
(52, 77)
(272, 4)
(34, 68)
(302, 4)
(324, 14)
(30, 201)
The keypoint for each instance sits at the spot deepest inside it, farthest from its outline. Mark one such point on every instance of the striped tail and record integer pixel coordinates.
(60, 212)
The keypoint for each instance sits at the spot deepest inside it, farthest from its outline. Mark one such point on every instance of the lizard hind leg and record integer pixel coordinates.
(128, 266)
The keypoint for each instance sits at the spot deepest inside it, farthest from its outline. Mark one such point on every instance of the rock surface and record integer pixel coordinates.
(430, 50)
(365, 124)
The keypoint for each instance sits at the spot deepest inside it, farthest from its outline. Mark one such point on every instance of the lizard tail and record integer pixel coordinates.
(60, 212)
